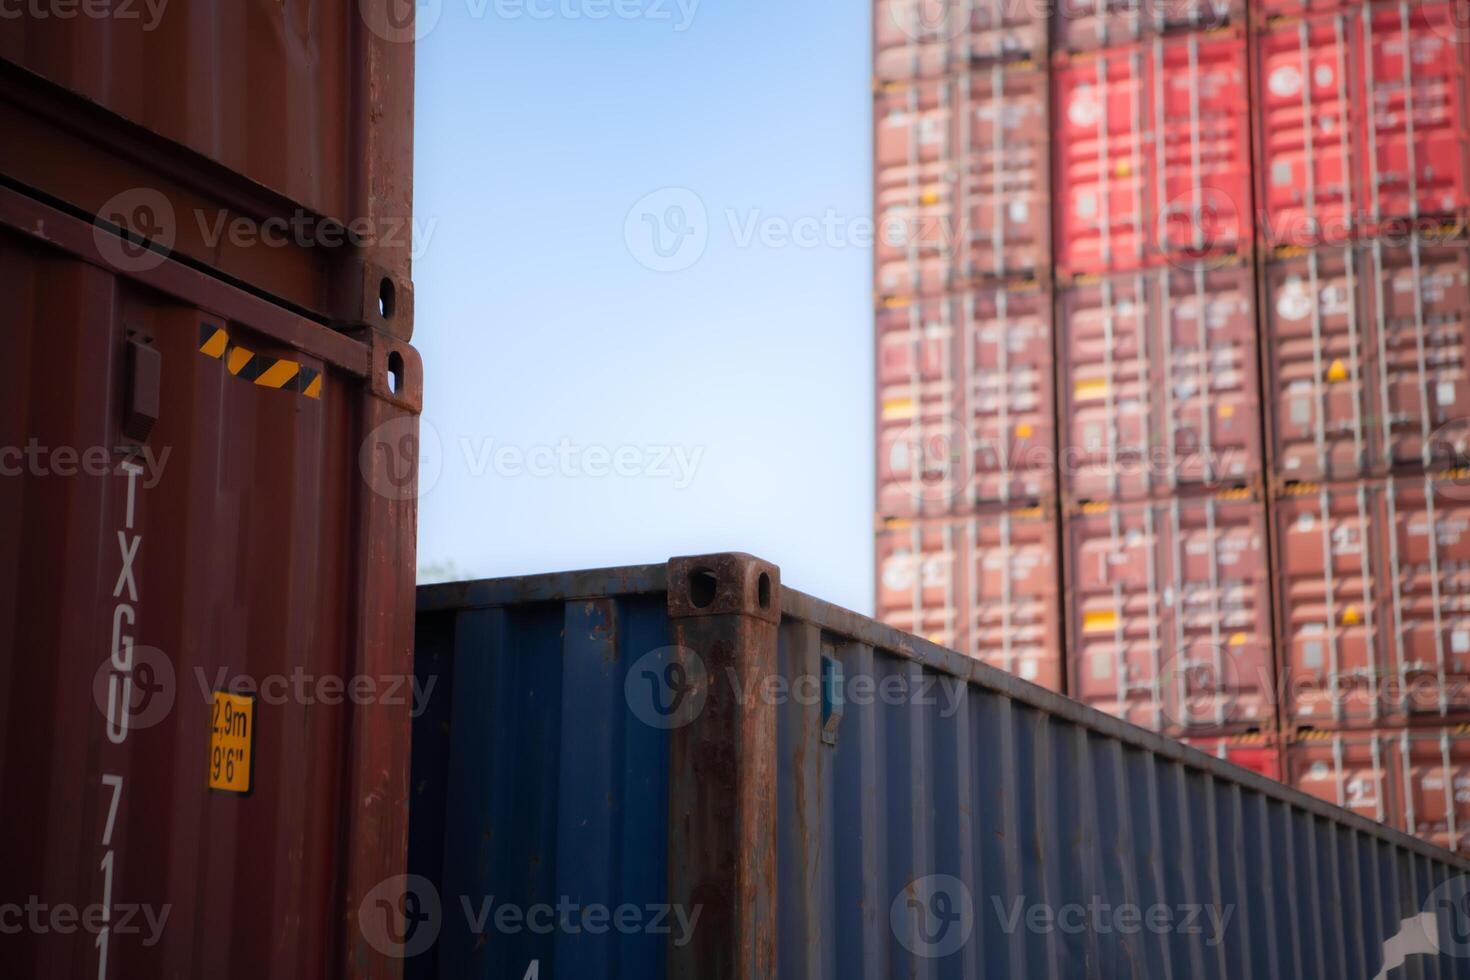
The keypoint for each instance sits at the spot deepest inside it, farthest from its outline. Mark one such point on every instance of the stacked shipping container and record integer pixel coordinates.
(1243, 202)
(1362, 180)
(967, 539)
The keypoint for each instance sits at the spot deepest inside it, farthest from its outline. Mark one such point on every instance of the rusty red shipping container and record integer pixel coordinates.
(291, 121)
(965, 402)
(1415, 780)
(961, 179)
(1258, 753)
(1152, 153)
(1086, 25)
(1367, 349)
(1362, 114)
(929, 38)
(207, 502)
(1169, 614)
(1159, 382)
(1375, 606)
(986, 585)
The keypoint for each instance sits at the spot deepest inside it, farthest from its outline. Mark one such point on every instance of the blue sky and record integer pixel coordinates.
(601, 396)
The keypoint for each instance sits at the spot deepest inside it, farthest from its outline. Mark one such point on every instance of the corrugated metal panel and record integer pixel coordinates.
(1375, 626)
(961, 179)
(1159, 382)
(1169, 614)
(1416, 69)
(1417, 780)
(1367, 349)
(1304, 110)
(927, 38)
(965, 402)
(1153, 153)
(243, 111)
(906, 837)
(264, 530)
(986, 585)
(1085, 25)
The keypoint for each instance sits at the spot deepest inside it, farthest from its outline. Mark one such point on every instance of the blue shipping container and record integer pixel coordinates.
(689, 771)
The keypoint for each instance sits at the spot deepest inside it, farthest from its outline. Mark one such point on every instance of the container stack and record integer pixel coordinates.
(1210, 440)
(967, 526)
(1363, 183)
(1168, 597)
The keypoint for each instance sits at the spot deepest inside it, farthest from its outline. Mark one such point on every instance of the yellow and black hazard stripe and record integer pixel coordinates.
(259, 369)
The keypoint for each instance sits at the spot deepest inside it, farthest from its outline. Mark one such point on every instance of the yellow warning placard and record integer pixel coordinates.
(231, 740)
(1099, 622)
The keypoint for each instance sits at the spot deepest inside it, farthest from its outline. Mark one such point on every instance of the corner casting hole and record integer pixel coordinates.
(395, 371)
(385, 299)
(763, 591)
(702, 584)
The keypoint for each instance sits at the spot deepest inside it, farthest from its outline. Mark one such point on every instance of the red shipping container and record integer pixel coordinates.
(1159, 382)
(961, 180)
(183, 125)
(1319, 346)
(1357, 771)
(219, 524)
(1418, 303)
(1168, 615)
(1082, 25)
(965, 402)
(1304, 107)
(985, 585)
(1416, 136)
(1153, 154)
(927, 38)
(1375, 602)
(1258, 753)
(1367, 350)
(1363, 121)
(1417, 780)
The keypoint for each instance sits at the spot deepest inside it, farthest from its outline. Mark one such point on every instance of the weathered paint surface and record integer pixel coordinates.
(916, 826)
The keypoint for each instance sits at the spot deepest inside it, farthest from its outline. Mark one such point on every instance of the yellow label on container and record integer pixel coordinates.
(929, 197)
(1226, 411)
(1025, 430)
(1337, 372)
(898, 408)
(231, 739)
(1351, 617)
(1099, 622)
(1238, 639)
(1096, 388)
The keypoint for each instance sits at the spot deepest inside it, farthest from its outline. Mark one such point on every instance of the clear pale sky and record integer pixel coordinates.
(614, 377)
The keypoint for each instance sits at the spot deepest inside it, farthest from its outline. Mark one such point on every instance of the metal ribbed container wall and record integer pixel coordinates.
(1152, 153)
(1374, 619)
(211, 127)
(1417, 780)
(1169, 613)
(929, 38)
(1081, 25)
(986, 585)
(879, 835)
(1367, 349)
(1361, 119)
(206, 501)
(961, 166)
(1159, 382)
(965, 401)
